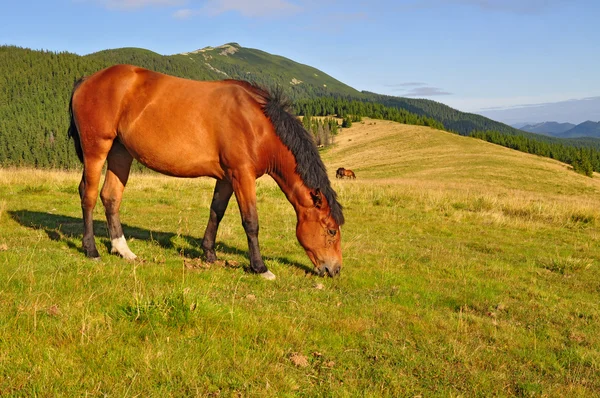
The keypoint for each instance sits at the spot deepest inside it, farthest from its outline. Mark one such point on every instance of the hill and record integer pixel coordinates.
(469, 270)
(233, 61)
(585, 129)
(35, 88)
(549, 128)
(377, 149)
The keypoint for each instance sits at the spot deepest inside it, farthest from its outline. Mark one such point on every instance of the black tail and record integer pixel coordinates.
(73, 132)
(292, 133)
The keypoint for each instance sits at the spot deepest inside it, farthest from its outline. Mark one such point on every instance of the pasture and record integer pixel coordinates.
(469, 270)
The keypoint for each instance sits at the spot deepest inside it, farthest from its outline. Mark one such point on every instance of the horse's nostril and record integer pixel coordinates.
(333, 271)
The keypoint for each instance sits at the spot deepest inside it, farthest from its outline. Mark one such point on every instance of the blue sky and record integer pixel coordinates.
(469, 54)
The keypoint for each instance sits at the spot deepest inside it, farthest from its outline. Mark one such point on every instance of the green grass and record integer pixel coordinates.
(453, 284)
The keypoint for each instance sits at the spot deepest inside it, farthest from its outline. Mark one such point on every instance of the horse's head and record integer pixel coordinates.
(319, 234)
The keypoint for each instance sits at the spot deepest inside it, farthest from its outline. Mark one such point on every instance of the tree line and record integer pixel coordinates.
(35, 87)
(583, 160)
(344, 107)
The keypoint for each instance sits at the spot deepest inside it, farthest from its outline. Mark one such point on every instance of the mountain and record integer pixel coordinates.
(585, 129)
(35, 87)
(573, 111)
(454, 120)
(549, 128)
(234, 61)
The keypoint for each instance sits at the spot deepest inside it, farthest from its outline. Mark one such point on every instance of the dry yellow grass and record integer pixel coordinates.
(391, 152)
(449, 172)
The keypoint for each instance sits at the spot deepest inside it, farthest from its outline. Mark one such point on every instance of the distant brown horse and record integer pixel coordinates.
(342, 172)
(229, 130)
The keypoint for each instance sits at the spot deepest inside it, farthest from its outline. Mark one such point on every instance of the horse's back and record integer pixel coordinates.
(172, 125)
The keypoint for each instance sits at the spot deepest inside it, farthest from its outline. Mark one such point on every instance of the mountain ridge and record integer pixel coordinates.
(565, 130)
(35, 87)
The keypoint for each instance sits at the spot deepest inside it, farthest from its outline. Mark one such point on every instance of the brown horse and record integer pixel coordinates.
(342, 172)
(229, 130)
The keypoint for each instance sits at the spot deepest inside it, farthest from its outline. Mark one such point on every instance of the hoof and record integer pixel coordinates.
(119, 246)
(210, 256)
(92, 254)
(129, 256)
(268, 275)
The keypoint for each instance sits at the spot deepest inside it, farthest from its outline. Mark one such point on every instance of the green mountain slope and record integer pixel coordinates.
(585, 129)
(35, 88)
(301, 81)
(549, 128)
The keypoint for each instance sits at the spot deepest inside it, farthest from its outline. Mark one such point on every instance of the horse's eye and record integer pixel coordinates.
(331, 232)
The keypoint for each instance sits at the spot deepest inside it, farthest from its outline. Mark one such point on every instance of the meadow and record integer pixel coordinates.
(469, 270)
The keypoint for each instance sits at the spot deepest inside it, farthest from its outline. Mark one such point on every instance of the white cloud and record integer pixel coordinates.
(401, 86)
(416, 89)
(514, 6)
(425, 92)
(531, 7)
(184, 13)
(137, 4)
(250, 9)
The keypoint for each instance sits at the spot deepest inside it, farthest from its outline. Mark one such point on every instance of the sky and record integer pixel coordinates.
(474, 55)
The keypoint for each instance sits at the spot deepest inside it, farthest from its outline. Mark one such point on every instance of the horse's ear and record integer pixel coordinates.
(317, 198)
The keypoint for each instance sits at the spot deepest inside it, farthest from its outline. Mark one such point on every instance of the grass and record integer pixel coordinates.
(469, 270)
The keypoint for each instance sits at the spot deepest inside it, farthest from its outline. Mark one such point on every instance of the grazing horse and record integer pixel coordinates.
(230, 130)
(342, 172)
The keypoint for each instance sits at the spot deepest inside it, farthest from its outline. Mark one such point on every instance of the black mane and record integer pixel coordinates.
(294, 136)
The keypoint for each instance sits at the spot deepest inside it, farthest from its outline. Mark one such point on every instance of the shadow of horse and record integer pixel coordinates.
(61, 228)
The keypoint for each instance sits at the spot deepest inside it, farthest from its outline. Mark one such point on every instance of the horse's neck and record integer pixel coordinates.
(283, 171)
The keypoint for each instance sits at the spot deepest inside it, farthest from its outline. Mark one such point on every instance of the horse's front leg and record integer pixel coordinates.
(244, 186)
(220, 200)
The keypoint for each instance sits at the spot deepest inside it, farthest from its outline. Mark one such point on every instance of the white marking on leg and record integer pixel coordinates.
(119, 246)
(268, 275)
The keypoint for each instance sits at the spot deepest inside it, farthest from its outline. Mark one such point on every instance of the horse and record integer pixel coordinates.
(342, 172)
(230, 130)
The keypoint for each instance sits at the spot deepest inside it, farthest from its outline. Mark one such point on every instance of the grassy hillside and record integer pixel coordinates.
(35, 88)
(469, 269)
(382, 149)
(300, 81)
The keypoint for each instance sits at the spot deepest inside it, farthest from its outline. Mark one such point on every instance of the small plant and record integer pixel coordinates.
(171, 310)
(566, 265)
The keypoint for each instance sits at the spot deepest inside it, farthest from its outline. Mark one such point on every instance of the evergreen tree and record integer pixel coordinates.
(582, 165)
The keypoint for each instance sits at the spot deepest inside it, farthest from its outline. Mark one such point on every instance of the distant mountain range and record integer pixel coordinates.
(573, 111)
(562, 130)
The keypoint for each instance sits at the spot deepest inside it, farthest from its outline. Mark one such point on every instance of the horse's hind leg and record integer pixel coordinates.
(221, 196)
(117, 173)
(88, 192)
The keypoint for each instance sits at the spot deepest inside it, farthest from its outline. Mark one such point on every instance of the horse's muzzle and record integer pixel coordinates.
(331, 270)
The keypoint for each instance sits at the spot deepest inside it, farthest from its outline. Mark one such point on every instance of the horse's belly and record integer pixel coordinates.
(176, 157)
